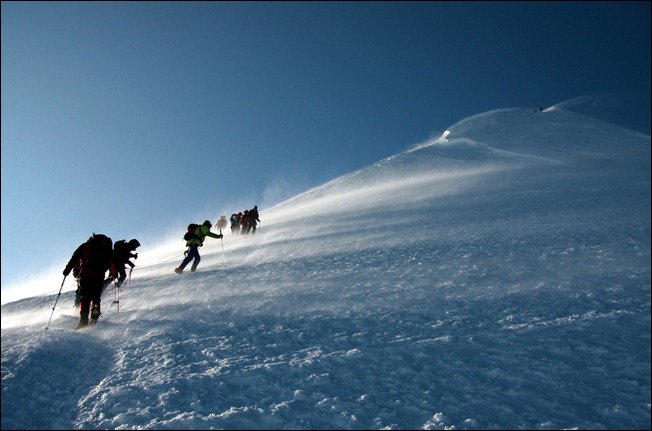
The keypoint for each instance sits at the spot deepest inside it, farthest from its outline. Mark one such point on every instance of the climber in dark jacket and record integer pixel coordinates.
(90, 261)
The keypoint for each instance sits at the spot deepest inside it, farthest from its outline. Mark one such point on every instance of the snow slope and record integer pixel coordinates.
(495, 277)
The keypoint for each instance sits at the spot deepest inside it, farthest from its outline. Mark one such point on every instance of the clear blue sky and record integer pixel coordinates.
(132, 118)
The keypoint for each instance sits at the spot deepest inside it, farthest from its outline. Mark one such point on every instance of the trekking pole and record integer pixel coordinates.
(115, 293)
(55, 302)
(223, 253)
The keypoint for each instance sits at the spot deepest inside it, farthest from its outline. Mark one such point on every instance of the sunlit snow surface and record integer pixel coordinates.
(495, 277)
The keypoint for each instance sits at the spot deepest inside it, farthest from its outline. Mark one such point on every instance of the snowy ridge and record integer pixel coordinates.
(495, 277)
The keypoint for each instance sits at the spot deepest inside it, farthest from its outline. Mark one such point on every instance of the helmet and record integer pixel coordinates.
(134, 243)
(207, 223)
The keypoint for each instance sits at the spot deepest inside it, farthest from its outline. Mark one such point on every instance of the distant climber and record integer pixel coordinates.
(253, 219)
(235, 223)
(221, 223)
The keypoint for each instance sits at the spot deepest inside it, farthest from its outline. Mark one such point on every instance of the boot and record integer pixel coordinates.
(95, 314)
(83, 322)
(178, 270)
(193, 268)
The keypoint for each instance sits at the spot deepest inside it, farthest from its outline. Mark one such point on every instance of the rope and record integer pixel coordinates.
(156, 264)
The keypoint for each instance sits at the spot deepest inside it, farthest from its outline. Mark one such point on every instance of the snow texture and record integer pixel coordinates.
(495, 277)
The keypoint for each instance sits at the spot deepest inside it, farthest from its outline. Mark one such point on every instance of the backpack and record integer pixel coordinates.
(100, 243)
(122, 250)
(190, 234)
(97, 254)
(120, 247)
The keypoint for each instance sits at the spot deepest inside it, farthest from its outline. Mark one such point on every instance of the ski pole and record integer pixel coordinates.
(116, 295)
(223, 253)
(55, 302)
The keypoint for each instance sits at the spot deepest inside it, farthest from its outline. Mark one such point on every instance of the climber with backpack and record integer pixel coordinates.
(235, 223)
(244, 222)
(90, 261)
(194, 239)
(253, 219)
(221, 223)
(122, 252)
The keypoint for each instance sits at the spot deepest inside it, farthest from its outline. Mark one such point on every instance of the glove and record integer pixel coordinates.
(136, 256)
(66, 272)
(220, 236)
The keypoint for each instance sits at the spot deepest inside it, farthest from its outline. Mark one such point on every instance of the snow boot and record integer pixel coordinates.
(178, 270)
(95, 314)
(83, 322)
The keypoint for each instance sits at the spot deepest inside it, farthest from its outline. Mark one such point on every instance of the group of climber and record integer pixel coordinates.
(89, 264)
(245, 221)
(92, 259)
(196, 234)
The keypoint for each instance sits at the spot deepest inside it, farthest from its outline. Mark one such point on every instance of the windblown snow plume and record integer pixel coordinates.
(497, 276)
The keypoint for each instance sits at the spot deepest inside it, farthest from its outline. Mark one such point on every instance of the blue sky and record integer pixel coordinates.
(133, 119)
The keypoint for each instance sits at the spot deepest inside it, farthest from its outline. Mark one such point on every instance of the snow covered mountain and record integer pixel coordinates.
(495, 277)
